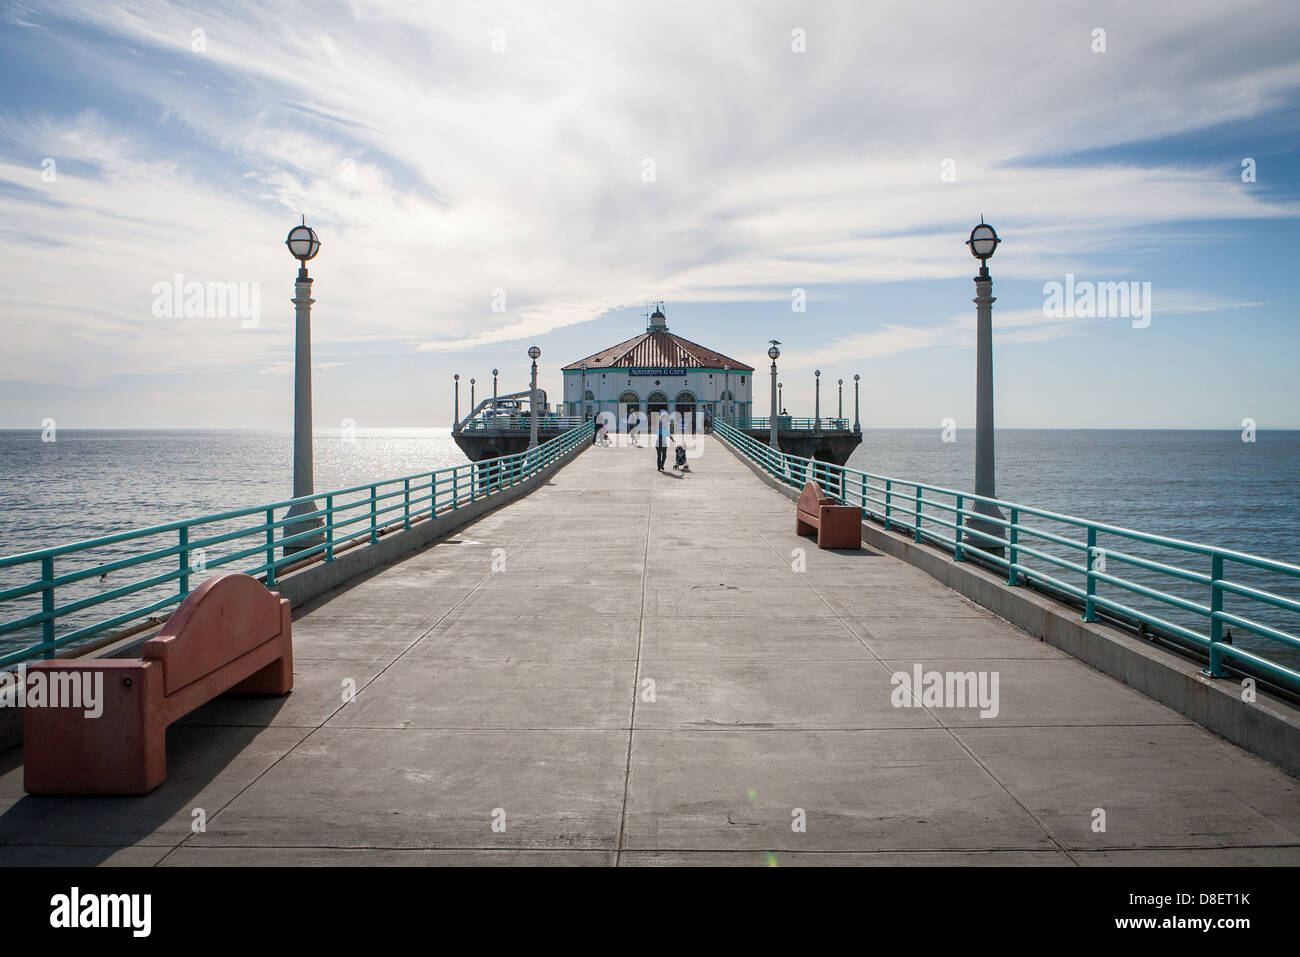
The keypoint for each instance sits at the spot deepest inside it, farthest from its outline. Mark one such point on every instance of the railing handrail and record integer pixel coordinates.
(114, 538)
(899, 504)
(1135, 534)
(833, 422)
(515, 420)
(435, 492)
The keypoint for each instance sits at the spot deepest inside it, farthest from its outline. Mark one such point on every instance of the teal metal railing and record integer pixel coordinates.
(791, 422)
(1131, 577)
(521, 422)
(165, 559)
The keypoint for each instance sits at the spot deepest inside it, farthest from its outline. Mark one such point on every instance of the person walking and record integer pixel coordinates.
(662, 439)
(634, 427)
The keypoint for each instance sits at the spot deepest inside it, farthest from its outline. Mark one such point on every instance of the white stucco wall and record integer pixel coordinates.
(706, 385)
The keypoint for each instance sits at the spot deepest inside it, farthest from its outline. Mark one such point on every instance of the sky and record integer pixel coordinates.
(484, 176)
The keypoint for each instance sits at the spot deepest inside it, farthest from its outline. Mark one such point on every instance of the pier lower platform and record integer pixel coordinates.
(625, 668)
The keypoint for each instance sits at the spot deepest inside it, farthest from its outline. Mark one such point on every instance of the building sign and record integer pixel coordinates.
(661, 372)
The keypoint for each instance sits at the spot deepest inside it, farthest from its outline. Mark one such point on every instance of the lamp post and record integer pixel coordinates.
(471, 396)
(303, 245)
(494, 390)
(455, 421)
(583, 397)
(817, 405)
(983, 243)
(534, 353)
(780, 395)
(841, 412)
(773, 354)
(857, 423)
(726, 390)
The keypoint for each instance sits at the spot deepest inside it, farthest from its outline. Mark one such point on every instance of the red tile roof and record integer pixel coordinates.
(658, 349)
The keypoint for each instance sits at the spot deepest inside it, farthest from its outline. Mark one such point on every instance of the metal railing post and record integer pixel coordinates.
(455, 490)
(270, 546)
(1090, 605)
(916, 534)
(183, 533)
(406, 501)
(329, 528)
(1013, 553)
(956, 541)
(47, 606)
(888, 495)
(1216, 624)
(374, 517)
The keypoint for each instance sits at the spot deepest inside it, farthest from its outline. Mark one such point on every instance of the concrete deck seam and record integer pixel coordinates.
(636, 682)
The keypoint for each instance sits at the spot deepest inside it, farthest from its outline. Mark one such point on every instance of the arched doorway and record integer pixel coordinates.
(629, 407)
(656, 402)
(684, 406)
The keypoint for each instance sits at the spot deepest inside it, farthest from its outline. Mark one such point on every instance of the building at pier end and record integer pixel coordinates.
(658, 371)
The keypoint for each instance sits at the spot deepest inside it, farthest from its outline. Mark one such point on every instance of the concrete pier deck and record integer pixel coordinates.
(504, 678)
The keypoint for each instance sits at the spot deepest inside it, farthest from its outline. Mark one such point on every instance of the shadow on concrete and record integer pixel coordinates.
(83, 831)
(862, 552)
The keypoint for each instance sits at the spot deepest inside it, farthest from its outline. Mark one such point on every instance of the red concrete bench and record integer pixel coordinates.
(837, 526)
(229, 634)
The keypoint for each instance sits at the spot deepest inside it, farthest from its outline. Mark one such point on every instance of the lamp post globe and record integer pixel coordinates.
(303, 244)
(983, 243)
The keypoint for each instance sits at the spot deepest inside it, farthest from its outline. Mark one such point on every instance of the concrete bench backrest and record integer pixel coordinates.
(223, 618)
(811, 497)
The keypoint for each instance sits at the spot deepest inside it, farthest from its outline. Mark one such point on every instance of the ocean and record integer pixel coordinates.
(1206, 486)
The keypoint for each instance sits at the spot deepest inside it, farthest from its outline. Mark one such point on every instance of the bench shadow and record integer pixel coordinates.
(862, 552)
(85, 831)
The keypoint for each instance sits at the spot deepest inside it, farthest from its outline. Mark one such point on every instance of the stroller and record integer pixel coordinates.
(680, 460)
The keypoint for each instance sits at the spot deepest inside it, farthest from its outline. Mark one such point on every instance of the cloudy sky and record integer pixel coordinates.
(584, 159)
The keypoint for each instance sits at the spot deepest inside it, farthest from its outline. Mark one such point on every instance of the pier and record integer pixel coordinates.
(631, 668)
